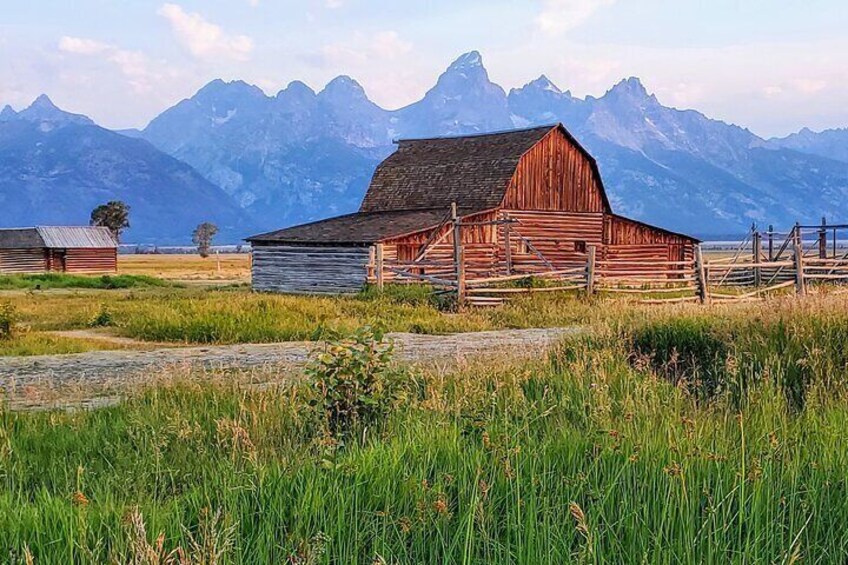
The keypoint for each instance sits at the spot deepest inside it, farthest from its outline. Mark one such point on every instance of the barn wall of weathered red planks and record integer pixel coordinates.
(555, 175)
(91, 260)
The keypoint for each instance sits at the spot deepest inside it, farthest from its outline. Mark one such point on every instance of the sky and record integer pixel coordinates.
(773, 66)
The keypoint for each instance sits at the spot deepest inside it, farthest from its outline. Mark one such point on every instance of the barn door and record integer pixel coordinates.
(60, 261)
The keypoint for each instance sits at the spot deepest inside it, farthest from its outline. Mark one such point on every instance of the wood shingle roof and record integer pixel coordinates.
(361, 228)
(473, 171)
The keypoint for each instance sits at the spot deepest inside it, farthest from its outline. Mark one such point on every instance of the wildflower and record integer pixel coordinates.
(673, 470)
(440, 506)
(484, 488)
(80, 499)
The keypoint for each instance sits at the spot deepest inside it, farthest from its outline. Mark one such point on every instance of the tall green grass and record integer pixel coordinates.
(593, 455)
(48, 281)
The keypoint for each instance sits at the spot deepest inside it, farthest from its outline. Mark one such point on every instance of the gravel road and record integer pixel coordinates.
(108, 368)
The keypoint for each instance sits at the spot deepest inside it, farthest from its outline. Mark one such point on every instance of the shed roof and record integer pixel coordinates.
(359, 228)
(473, 171)
(57, 237)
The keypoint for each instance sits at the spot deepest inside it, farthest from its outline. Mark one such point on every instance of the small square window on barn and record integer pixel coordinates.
(580, 246)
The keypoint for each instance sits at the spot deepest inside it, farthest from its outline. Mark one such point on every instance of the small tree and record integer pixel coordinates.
(114, 215)
(202, 237)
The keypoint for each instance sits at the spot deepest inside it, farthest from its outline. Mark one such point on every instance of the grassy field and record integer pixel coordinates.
(667, 435)
(191, 314)
(227, 267)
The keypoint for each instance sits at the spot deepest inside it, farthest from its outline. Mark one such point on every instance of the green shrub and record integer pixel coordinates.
(352, 381)
(103, 318)
(7, 320)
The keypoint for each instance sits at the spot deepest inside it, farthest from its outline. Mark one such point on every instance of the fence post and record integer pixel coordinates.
(823, 239)
(701, 272)
(378, 265)
(458, 259)
(590, 270)
(771, 242)
(758, 252)
(800, 287)
(507, 245)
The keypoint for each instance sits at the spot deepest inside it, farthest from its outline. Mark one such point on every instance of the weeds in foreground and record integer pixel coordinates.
(7, 320)
(588, 456)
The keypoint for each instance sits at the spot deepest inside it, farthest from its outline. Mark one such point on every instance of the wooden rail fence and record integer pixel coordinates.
(775, 262)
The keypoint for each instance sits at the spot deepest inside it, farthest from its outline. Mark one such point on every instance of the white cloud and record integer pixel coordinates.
(136, 67)
(558, 16)
(82, 46)
(809, 86)
(203, 38)
(333, 4)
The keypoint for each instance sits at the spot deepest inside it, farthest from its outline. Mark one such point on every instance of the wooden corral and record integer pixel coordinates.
(527, 202)
(58, 249)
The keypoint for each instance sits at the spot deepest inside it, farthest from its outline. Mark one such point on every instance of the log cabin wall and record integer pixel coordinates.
(555, 175)
(90, 261)
(562, 237)
(630, 242)
(480, 246)
(309, 269)
(23, 260)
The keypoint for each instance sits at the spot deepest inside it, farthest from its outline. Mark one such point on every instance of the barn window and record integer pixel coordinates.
(580, 246)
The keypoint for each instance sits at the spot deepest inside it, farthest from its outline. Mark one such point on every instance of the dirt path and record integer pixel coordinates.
(116, 369)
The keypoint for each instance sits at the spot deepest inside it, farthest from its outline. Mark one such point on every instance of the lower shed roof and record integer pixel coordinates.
(57, 237)
(361, 228)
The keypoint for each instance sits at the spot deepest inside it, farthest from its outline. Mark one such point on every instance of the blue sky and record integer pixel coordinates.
(773, 66)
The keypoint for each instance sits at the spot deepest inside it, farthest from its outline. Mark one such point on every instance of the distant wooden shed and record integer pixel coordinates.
(540, 182)
(65, 249)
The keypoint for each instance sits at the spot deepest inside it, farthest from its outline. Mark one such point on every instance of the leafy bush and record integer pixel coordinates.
(103, 318)
(352, 381)
(7, 320)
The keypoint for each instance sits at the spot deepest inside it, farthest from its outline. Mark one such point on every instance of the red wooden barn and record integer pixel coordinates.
(529, 200)
(44, 249)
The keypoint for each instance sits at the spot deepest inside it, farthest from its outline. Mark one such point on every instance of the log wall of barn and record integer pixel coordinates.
(561, 237)
(309, 269)
(90, 261)
(555, 175)
(629, 240)
(23, 261)
(479, 244)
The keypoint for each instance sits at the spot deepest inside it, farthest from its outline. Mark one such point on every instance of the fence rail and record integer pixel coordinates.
(764, 263)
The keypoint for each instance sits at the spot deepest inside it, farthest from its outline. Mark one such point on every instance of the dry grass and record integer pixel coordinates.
(227, 267)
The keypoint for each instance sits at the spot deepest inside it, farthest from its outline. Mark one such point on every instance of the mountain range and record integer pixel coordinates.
(248, 161)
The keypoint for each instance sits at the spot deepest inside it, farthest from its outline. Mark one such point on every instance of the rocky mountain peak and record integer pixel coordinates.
(543, 83)
(7, 114)
(630, 89)
(470, 60)
(44, 110)
(343, 87)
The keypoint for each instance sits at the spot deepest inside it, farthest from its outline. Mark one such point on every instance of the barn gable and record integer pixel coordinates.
(557, 174)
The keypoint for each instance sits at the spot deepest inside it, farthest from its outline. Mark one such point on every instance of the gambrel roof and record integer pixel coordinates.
(473, 171)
